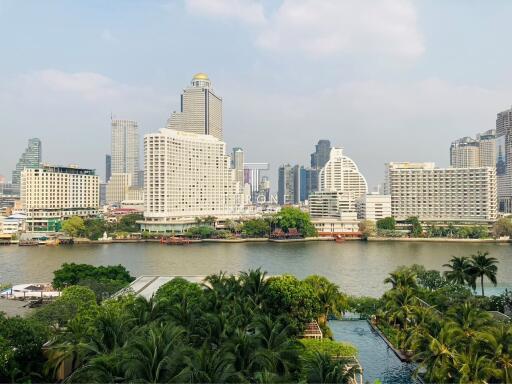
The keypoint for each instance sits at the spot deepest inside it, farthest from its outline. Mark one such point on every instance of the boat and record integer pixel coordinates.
(174, 241)
(53, 242)
(28, 243)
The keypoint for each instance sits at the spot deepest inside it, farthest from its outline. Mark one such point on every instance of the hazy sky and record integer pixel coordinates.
(387, 80)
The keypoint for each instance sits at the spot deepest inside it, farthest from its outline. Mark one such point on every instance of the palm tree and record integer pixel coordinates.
(500, 348)
(330, 299)
(459, 271)
(322, 368)
(205, 366)
(481, 266)
(402, 278)
(399, 306)
(254, 284)
(154, 354)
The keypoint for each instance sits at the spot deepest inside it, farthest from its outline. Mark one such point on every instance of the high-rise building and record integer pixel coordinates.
(341, 174)
(253, 178)
(201, 109)
(470, 153)
(263, 190)
(308, 182)
(321, 155)
(187, 175)
(50, 194)
(108, 167)
(441, 194)
(125, 148)
(504, 160)
(31, 158)
(288, 188)
(237, 163)
(117, 188)
(487, 146)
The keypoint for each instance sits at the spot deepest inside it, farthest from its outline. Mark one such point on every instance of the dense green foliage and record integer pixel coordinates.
(94, 228)
(415, 228)
(230, 329)
(201, 232)
(256, 228)
(21, 341)
(444, 327)
(74, 226)
(291, 217)
(327, 346)
(466, 232)
(502, 227)
(103, 280)
(388, 223)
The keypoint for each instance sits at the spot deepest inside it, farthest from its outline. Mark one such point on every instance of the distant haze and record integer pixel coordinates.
(388, 80)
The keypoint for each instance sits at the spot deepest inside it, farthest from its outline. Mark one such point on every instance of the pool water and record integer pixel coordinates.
(377, 359)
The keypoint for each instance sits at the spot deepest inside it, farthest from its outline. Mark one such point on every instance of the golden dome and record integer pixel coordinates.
(200, 76)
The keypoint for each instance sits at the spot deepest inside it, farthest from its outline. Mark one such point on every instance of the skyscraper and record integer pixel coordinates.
(237, 163)
(108, 167)
(470, 153)
(288, 189)
(125, 148)
(31, 158)
(201, 109)
(321, 154)
(341, 174)
(504, 160)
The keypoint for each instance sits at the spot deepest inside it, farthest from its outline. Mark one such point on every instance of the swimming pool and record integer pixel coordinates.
(378, 361)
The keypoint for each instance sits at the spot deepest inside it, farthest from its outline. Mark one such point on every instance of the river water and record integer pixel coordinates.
(357, 267)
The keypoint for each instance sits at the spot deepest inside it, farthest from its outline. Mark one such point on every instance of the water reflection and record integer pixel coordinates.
(357, 267)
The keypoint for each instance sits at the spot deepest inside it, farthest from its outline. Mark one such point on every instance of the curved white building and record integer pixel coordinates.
(340, 174)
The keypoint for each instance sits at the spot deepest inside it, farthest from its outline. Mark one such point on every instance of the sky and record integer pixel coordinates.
(387, 80)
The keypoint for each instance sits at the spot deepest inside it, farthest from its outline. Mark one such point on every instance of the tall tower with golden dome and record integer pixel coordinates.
(201, 109)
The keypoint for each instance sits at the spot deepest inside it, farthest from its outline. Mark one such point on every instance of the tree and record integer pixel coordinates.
(294, 297)
(502, 227)
(21, 341)
(415, 227)
(402, 278)
(177, 290)
(321, 368)
(74, 226)
(72, 274)
(128, 223)
(95, 228)
(367, 228)
(291, 217)
(387, 223)
(483, 266)
(256, 228)
(331, 301)
(459, 271)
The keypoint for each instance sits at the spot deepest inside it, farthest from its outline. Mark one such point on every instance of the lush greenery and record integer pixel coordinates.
(502, 227)
(242, 328)
(435, 319)
(103, 280)
(466, 232)
(292, 217)
(388, 223)
(256, 228)
(94, 228)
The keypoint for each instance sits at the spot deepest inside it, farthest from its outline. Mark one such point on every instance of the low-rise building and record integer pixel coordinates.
(333, 213)
(373, 206)
(50, 194)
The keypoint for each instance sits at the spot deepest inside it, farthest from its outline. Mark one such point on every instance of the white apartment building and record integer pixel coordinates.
(125, 148)
(118, 187)
(341, 174)
(441, 194)
(201, 109)
(50, 194)
(187, 175)
(374, 206)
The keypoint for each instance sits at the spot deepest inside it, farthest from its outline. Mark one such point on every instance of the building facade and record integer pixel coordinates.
(125, 148)
(471, 153)
(201, 109)
(341, 174)
(108, 167)
(373, 206)
(30, 158)
(442, 194)
(117, 188)
(187, 175)
(237, 163)
(321, 155)
(50, 194)
(504, 159)
(288, 188)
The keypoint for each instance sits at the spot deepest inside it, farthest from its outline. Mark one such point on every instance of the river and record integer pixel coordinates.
(357, 267)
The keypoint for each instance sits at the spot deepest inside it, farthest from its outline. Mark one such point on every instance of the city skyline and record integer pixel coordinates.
(435, 82)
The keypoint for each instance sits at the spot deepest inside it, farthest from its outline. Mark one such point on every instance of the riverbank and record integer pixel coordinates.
(308, 239)
(438, 240)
